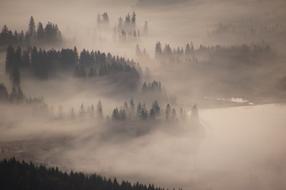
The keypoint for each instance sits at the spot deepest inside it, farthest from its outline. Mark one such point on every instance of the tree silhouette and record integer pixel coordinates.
(40, 32)
(16, 175)
(32, 27)
(158, 50)
(99, 110)
(168, 112)
(155, 110)
(46, 63)
(50, 34)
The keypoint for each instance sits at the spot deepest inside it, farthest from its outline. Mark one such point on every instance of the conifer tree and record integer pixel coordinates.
(168, 111)
(99, 110)
(40, 32)
(158, 50)
(32, 27)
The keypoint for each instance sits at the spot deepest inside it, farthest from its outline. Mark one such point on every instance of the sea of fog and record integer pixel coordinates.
(242, 148)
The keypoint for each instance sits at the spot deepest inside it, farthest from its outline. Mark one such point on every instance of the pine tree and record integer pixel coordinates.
(32, 27)
(155, 110)
(40, 32)
(99, 110)
(75, 55)
(105, 18)
(158, 50)
(188, 49)
(133, 19)
(168, 111)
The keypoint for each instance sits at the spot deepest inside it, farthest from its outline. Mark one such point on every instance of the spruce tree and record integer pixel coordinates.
(32, 27)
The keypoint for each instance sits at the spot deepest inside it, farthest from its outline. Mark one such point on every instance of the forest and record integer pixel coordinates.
(43, 63)
(22, 175)
(142, 95)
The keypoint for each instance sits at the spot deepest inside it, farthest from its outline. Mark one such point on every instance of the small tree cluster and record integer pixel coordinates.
(17, 96)
(142, 53)
(142, 112)
(154, 86)
(154, 90)
(127, 28)
(174, 55)
(84, 111)
(103, 19)
(39, 34)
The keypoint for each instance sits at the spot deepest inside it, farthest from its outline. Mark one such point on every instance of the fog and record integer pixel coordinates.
(234, 73)
(232, 156)
(242, 148)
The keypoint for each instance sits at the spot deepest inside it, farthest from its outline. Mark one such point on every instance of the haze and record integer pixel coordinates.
(226, 96)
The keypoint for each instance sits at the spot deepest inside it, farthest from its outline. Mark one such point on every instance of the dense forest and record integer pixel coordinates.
(35, 35)
(46, 63)
(17, 175)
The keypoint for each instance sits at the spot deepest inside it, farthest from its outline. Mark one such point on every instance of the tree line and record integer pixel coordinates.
(189, 54)
(40, 34)
(128, 111)
(46, 63)
(140, 111)
(154, 86)
(83, 112)
(20, 175)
